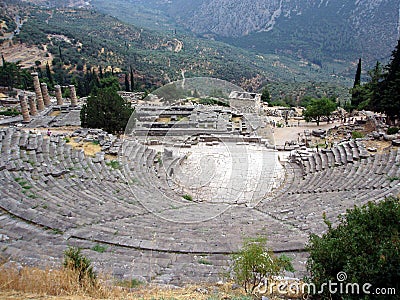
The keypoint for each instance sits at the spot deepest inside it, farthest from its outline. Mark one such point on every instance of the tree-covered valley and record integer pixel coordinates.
(81, 39)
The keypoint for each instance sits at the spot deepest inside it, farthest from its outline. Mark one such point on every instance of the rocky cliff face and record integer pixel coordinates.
(241, 17)
(349, 28)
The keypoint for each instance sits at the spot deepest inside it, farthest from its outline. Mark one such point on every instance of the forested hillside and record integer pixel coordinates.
(320, 31)
(78, 40)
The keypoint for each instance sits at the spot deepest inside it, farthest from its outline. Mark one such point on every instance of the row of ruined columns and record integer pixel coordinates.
(42, 98)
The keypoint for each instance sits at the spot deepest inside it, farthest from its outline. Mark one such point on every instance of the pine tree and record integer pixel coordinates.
(372, 89)
(265, 96)
(389, 91)
(107, 110)
(12, 75)
(393, 68)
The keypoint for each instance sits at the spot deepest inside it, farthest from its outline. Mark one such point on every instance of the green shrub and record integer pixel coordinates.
(10, 112)
(76, 262)
(254, 263)
(393, 130)
(365, 246)
(357, 135)
(187, 197)
(393, 178)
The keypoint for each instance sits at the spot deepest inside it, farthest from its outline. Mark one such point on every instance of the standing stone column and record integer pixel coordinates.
(38, 91)
(45, 94)
(32, 105)
(24, 108)
(74, 100)
(59, 95)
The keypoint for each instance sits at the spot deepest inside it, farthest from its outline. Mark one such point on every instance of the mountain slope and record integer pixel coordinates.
(311, 29)
(335, 29)
(78, 39)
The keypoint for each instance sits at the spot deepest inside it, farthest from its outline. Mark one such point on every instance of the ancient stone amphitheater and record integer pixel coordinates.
(54, 196)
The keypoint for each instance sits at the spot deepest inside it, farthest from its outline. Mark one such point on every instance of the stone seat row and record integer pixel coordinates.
(368, 173)
(343, 153)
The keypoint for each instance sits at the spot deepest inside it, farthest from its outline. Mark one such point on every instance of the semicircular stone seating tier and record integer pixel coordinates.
(53, 196)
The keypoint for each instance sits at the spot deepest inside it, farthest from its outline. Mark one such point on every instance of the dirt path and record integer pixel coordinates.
(281, 135)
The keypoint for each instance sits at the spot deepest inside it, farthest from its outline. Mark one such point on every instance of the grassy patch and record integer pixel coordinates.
(89, 149)
(23, 183)
(114, 164)
(357, 135)
(99, 248)
(56, 231)
(133, 283)
(31, 162)
(204, 261)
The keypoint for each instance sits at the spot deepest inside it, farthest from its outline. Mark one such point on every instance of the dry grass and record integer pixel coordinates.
(381, 146)
(90, 149)
(200, 292)
(111, 157)
(18, 282)
(35, 283)
(52, 282)
(55, 113)
(27, 55)
(163, 120)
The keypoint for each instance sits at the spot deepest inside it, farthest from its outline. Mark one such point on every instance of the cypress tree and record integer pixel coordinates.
(357, 79)
(101, 72)
(48, 74)
(127, 87)
(132, 81)
(355, 92)
(60, 53)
